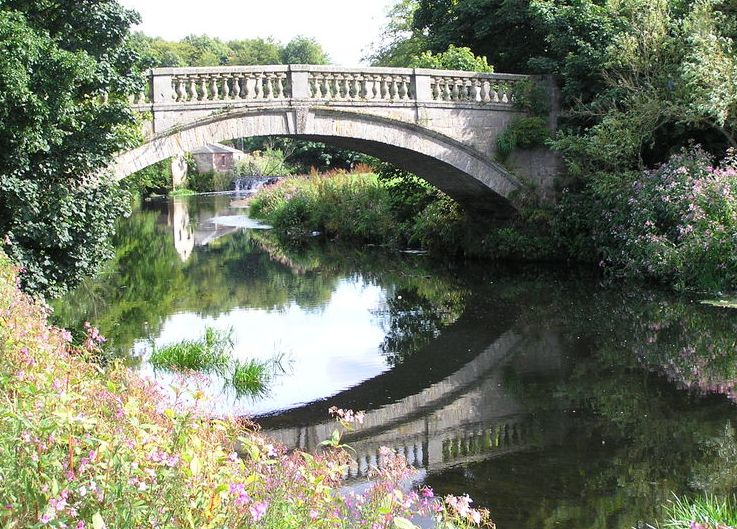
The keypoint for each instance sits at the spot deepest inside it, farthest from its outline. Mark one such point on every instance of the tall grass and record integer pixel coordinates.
(209, 354)
(352, 206)
(250, 377)
(702, 512)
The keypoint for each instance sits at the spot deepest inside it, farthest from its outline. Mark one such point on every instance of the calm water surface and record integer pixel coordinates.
(547, 397)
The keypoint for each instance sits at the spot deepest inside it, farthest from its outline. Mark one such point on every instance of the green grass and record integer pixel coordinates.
(209, 354)
(709, 511)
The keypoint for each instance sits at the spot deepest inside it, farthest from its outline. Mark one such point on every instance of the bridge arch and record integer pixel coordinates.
(473, 179)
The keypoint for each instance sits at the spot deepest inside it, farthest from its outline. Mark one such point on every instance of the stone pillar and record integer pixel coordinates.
(300, 82)
(421, 85)
(163, 91)
(178, 171)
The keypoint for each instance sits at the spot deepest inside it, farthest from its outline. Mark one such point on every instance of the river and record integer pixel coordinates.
(549, 397)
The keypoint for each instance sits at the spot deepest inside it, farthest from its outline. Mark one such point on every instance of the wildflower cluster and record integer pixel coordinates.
(87, 447)
(676, 224)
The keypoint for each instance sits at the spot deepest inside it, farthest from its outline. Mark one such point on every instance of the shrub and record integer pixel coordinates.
(676, 224)
(524, 133)
(454, 58)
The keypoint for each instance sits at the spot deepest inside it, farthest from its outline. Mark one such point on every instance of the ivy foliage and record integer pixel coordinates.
(66, 70)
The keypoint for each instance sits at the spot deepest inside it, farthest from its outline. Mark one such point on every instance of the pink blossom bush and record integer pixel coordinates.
(84, 446)
(676, 224)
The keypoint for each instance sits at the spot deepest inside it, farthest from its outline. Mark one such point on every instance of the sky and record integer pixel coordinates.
(344, 28)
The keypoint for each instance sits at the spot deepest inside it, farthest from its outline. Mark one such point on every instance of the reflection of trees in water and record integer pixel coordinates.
(147, 281)
(413, 320)
(632, 438)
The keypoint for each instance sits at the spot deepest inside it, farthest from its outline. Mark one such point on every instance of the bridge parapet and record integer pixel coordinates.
(230, 85)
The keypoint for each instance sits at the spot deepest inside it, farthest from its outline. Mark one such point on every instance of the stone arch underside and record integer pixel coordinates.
(479, 184)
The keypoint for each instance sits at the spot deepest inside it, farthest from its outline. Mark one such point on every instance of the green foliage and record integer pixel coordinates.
(203, 50)
(64, 115)
(452, 59)
(507, 32)
(209, 181)
(303, 50)
(524, 133)
(400, 43)
(270, 162)
(250, 377)
(156, 178)
(304, 156)
(531, 97)
(674, 224)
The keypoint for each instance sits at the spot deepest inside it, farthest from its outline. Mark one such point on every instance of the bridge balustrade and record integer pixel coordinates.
(259, 84)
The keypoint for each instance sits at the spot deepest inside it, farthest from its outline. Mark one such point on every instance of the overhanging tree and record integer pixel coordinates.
(66, 70)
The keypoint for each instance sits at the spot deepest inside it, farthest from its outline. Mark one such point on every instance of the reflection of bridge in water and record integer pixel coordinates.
(462, 417)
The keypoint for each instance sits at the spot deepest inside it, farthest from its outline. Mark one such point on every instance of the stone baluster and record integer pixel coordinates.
(258, 87)
(393, 87)
(505, 96)
(281, 91)
(375, 88)
(368, 87)
(316, 81)
(180, 89)
(327, 89)
(227, 92)
(467, 90)
(348, 83)
(268, 86)
(485, 89)
(237, 88)
(434, 89)
(201, 88)
(188, 88)
(384, 88)
(361, 87)
(403, 88)
(213, 84)
(339, 86)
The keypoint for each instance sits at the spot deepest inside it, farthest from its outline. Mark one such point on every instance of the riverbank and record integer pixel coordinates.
(398, 211)
(84, 445)
(673, 225)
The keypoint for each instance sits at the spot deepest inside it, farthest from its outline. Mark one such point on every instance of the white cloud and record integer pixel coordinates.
(345, 28)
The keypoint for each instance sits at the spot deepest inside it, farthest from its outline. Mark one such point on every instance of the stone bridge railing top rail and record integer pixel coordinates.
(259, 84)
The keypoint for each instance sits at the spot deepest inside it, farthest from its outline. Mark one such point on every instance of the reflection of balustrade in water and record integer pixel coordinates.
(448, 448)
(258, 84)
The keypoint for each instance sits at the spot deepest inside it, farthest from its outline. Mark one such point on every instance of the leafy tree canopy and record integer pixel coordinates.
(66, 70)
(203, 50)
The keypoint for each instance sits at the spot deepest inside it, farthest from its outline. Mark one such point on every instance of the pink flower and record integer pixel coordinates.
(258, 510)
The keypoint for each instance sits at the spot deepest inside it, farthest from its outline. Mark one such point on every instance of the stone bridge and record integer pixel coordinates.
(441, 125)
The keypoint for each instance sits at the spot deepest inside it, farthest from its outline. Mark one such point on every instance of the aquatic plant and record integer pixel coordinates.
(209, 354)
(250, 377)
